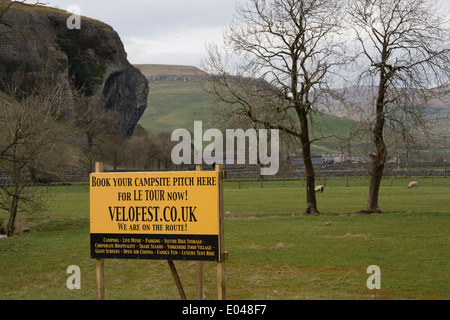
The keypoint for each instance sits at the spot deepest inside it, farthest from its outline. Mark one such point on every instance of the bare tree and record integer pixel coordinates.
(404, 52)
(92, 122)
(288, 51)
(164, 147)
(144, 151)
(30, 144)
(113, 149)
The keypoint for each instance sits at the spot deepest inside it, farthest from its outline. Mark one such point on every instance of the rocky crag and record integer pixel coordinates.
(35, 42)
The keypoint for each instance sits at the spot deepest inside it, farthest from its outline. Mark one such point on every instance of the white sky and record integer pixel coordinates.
(160, 31)
(163, 31)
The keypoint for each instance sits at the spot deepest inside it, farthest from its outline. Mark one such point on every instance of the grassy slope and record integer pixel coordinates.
(274, 254)
(164, 69)
(177, 104)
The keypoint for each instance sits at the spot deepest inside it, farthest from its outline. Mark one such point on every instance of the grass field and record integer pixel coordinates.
(275, 252)
(177, 104)
(164, 69)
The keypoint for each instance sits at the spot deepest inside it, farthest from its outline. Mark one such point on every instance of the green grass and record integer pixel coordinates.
(337, 198)
(275, 252)
(177, 104)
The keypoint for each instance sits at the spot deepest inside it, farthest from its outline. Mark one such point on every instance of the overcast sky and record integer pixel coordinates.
(163, 31)
(160, 31)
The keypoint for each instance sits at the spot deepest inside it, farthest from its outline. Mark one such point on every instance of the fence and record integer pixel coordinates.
(347, 181)
(341, 181)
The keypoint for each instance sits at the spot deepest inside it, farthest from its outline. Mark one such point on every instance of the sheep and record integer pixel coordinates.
(412, 184)
(319, 188)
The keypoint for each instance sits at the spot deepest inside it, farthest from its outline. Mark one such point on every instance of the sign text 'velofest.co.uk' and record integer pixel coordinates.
(155, 215)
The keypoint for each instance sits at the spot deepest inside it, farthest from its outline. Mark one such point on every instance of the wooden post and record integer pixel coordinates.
(100, 262)
(445, 156)
(98, 167)
(100, 279)
(221, 263)
(199, 266)
(177, 279)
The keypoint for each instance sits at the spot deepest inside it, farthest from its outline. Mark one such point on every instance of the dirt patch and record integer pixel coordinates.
(365, 237)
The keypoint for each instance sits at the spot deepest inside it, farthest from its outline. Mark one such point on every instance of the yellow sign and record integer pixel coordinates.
(154, 215)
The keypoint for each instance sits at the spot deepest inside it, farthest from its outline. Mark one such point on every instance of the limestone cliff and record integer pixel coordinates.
(35, 42)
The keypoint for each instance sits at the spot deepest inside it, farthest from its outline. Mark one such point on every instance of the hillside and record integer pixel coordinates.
(177, 104)
(149, 70)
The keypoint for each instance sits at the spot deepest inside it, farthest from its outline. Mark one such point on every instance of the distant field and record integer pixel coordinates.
(164, 69)
(288, 197)
(275, 252)
(177, 104)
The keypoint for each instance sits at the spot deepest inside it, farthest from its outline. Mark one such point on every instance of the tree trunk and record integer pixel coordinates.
(311, 205)
(379, 158)
(374, 187)
(11, 227)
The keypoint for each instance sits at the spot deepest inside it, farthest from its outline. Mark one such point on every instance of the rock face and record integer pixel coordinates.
(35, 42)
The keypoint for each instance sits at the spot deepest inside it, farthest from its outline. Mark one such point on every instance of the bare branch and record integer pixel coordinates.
(407, 47)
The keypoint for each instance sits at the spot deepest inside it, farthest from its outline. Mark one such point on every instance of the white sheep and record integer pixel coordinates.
(413, 184)
(319, 188)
